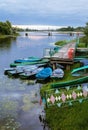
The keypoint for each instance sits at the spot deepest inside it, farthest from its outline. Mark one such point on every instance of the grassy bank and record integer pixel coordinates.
(69, 118)
(81, 44)
(7, 36)
(73, 117)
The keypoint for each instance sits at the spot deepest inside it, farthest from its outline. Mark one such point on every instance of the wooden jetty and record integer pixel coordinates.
(65, 55)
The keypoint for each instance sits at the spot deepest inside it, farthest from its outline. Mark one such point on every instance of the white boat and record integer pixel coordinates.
(57, 73)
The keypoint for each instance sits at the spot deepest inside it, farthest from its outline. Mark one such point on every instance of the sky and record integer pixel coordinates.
(45, 12)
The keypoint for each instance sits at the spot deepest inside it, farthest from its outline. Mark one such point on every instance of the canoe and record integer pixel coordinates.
(29, 59)
(42, 61)
(31, 73)
(57, 73)
(44, 74)
(71, 82)
(80, 71)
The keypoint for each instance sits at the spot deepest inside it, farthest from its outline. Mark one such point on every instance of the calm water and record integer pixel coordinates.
(17, 108)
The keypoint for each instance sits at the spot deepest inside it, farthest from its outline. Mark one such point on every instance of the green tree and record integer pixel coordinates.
(5, 28)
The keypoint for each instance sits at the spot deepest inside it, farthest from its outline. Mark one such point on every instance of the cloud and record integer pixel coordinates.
(42, 11)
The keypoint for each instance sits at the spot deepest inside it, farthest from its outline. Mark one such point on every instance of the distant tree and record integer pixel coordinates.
(5, 28)
(66, 29)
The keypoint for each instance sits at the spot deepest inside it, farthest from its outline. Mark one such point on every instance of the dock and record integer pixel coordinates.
(65, 55)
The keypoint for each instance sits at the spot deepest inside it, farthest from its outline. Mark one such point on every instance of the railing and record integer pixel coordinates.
(66, 96)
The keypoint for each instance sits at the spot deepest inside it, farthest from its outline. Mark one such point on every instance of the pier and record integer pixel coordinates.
(65, 55)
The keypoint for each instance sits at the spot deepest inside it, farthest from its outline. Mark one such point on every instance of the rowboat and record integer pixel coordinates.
(71, 82)
(19, 70)
(31, 73)
(80, 71)
(8, 69)
(57, 73)
(44, 74)
(42, 61)
(29, 59)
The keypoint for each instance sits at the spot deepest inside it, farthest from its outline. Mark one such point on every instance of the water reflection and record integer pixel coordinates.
(19, 100)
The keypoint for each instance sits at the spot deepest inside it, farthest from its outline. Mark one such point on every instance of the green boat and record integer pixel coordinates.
(71, 82)
(42, 61)
(80, 71)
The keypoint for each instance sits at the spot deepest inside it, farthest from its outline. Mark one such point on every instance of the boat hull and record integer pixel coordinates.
(71, 82)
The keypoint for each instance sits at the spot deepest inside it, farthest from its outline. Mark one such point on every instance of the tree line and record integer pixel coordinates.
(6, 28)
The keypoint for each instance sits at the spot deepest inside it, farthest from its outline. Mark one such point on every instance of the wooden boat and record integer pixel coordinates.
(29, 59)
(42, 61)
(80, 71)
(31, 73)
(71, 82)
(44, 74)
(57, 73)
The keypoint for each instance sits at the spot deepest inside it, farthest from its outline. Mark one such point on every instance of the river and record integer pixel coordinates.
(19, 100)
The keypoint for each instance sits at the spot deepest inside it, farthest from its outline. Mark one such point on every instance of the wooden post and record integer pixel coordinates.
(68, 67)
(54, 66)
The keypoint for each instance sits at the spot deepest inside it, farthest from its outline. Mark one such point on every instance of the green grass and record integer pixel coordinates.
(66, 77)
(6, 36)
(81, 45)
(73, 117)
(68, 118)
(60, 43)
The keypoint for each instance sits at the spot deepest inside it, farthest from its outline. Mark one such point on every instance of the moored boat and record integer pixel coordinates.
(57, 73)
(80, 71)
(44, 74)
(71, 82)
(29, 59)
(42, 61)
(31, 73)
(19, 70)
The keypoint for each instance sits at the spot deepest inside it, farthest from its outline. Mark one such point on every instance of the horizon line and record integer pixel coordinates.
(40, 27)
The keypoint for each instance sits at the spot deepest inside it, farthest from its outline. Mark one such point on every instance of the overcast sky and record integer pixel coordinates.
(45, 12)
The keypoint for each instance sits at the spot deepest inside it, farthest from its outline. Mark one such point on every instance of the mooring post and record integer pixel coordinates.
(54, 66)
(68, 67)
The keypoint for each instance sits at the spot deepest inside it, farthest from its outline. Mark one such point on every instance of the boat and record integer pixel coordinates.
(57, 73)
(31, 73)
(14, 72)
(8, 69)
(42, 61)
(19, 70)
(80, 71)
(84, 62)
(29, 59)
(44, 74)
(71, 82)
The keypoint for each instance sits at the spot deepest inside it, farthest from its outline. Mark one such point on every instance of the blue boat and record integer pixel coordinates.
(44, 74)
(43, 61)
(29, 59)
